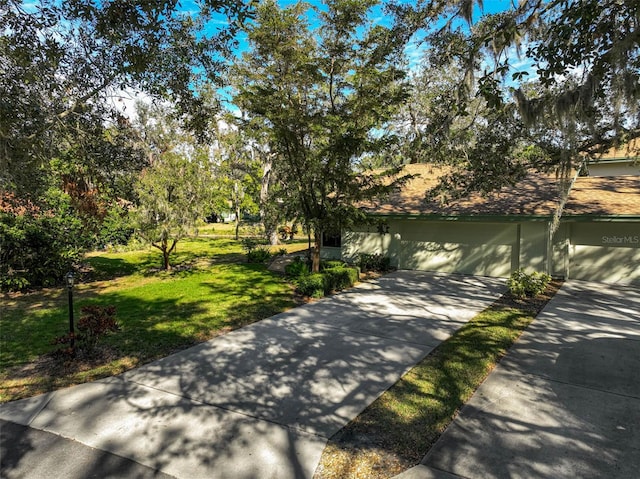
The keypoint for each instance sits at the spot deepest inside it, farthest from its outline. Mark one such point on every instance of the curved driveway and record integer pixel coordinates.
(259, 402)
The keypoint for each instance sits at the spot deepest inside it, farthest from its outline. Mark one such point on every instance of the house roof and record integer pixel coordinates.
(604, 196)
(628, 152)
(537, 195)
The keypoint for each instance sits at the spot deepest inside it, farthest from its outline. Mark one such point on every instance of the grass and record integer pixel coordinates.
(396, 431)
(214, 290)
(211, 290)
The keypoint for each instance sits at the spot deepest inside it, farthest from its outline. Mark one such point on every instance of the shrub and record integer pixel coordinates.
(36, 250)
(374, 262)
(312, 285)
(317, 285)
(95, 322)
(331, 264)
(116, 228)
(522, 284)
(336, 279)
(297, 268)
(259, 254)
(248, 244)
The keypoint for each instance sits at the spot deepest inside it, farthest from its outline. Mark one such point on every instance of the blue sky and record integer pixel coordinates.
(377, 15)
(413, 51)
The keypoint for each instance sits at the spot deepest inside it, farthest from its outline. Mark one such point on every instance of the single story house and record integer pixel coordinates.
(586, 228)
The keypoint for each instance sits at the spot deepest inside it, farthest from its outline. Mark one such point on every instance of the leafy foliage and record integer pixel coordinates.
(374, 262)
(323, 97)
(330, 264)
(37, 249)
(259, 254)
(171, 197)
(116, 228)
(585, 55)
(96, 322)
(339, 278)
(311, 285)
(335, 278)
(66, 63)
(174, 192)
(238, 173)
(522, 284)
(297, 268)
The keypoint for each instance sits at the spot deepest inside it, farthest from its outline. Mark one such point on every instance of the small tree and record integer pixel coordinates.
(238, 173)
(172, 197)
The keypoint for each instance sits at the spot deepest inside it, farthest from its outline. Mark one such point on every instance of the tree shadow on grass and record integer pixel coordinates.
(193, 254)
(156, 320)
(260, 401)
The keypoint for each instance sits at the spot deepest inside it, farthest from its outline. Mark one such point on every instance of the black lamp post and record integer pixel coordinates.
(69, 279)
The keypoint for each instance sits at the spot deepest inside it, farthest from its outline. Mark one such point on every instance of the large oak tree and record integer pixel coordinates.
(561, 77)
(63, 65)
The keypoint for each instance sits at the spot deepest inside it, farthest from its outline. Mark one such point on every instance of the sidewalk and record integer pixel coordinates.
(563, 403)
(259, 402)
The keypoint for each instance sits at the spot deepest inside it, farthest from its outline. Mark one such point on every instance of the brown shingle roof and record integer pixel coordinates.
(629, 151)
(604, 196)
(536, 195)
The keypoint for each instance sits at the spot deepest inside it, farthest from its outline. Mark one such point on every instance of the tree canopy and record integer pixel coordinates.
(324, 95)
(571, 67)
(62, 65)
(174, 192)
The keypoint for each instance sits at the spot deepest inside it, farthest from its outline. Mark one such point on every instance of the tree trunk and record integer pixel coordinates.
(273, 236)
(315, 259)
(269, 221)
(237, 221)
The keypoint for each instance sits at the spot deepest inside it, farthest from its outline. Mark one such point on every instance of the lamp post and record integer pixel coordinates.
(69, 280)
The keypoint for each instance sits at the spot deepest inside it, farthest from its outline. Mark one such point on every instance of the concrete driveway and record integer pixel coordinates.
(259, 402)
(563, 403)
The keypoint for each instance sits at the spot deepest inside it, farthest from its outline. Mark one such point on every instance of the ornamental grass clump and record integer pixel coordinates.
(297, 268)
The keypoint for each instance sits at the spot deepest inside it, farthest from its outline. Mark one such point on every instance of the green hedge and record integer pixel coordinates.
(330, 264)
(320, 284)
(339, 278)
(374, 262)
(312, 285)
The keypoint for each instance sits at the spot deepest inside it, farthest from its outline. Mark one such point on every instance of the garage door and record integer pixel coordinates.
(487, 249)
(606, 252)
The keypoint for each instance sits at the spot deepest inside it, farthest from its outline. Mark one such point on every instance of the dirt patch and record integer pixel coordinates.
(60, 363)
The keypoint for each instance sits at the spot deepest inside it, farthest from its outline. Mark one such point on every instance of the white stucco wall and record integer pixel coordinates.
(445, 246)
(487, 249)
(366, 239)
(533, 245)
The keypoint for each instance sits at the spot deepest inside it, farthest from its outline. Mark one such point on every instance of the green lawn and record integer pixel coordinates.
(211, 289)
